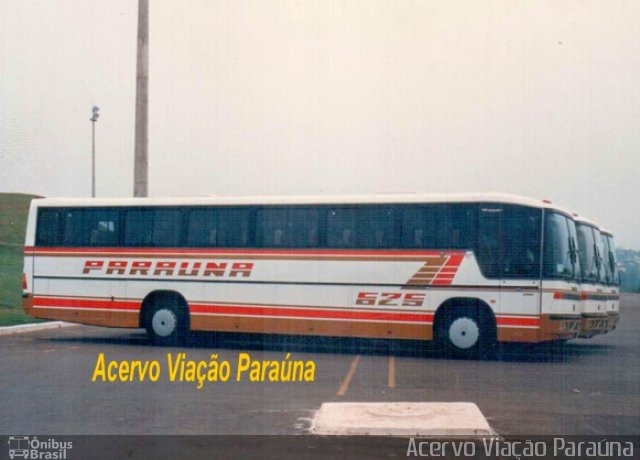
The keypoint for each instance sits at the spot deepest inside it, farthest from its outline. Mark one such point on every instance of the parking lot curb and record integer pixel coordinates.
(21, 328)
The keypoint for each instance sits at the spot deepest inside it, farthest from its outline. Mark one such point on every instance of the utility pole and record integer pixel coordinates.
(94, 118)
(141, 162)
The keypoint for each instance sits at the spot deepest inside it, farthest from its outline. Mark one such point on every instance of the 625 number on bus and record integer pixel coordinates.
(390, 299)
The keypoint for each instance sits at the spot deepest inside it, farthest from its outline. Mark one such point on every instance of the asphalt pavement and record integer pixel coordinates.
(587, 387)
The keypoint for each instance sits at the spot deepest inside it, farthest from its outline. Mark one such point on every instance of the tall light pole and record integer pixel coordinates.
(94, 118)
(140, 165)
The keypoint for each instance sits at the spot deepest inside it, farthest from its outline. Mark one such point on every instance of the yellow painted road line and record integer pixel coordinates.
(48, 350)
(345, 383)
(392, 372)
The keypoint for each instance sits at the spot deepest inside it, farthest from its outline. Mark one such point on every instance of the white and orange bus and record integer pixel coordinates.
(613, 279)
(466, 270)
(598, 292)
(593, 304)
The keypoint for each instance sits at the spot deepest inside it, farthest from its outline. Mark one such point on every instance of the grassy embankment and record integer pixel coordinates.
(13, 220)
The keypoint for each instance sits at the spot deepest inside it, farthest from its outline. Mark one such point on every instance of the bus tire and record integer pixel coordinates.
(167, 322)
(466, 332)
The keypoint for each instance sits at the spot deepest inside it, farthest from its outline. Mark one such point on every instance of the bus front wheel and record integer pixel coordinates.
(465, 333)
(166, 324)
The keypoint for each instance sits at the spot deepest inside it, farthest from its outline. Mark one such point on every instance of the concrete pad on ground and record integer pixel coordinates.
(440, 419)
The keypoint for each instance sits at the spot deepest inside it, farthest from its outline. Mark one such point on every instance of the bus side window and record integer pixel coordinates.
(374, 227)
(341, 228)
(137, 231)
(426, 227)
(489, 235)
(90, 227)
(303, 224)
(521, 242)
(167, 227)
(293, 227)
(347, 238)
(233, 227)
(412, 228)
(270, 227)
(202, 227)
(461, 226)
(48, 228)
(105, 229)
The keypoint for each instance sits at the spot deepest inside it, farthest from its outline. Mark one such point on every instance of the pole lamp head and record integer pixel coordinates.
(95, 113)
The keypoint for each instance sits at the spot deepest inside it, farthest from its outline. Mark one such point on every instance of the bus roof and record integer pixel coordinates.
(583, 220)
(606, 231)
(302, 200)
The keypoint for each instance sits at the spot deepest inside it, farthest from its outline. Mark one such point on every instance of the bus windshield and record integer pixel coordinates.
(604, 269)
(610, 259)
(587, 252)
(559, 258)
(573, 234)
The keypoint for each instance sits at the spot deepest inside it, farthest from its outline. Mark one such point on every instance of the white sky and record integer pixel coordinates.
(540, 98)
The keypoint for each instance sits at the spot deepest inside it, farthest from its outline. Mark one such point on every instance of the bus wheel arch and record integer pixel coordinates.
(165, 316)
(465, 327)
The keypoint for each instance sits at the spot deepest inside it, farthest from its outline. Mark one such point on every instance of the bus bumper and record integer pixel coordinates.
(612, 320)
(551, 327)
(593, 324)
(559, 327)
(27, 306)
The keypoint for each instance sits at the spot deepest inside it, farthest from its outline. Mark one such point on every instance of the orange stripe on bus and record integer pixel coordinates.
(309, 313)
(84, 303)
(510, 321)
(250, 310)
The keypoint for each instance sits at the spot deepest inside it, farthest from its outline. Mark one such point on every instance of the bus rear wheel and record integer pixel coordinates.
(465, 333)
(166, 324)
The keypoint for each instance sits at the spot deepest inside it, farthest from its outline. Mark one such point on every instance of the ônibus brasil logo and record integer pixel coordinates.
(30, 447)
